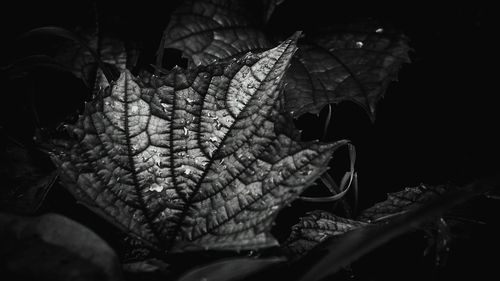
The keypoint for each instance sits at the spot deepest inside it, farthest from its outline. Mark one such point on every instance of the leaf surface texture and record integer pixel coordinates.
(198, 159)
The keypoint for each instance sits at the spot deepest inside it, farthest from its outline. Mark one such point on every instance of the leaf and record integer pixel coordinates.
(26, 179)
(112, 51)
(53, 247)
(194, 160)
(402, 201)
(232, 269)
(338, 252)
(315, 227)
(355, 63)
(211, 30)
(80, 44)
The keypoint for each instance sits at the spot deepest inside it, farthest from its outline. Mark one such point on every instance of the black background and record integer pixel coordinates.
(438, 124)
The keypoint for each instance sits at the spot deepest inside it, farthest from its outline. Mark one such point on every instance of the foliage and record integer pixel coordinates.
(193, 165)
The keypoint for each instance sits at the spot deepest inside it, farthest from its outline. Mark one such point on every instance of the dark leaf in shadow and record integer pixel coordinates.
(337, 252)
(53, 247)
(26, 178)
(231, 269)
(80, 57)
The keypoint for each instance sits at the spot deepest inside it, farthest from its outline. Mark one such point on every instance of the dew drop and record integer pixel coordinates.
(379, 30)
(359, 44)
(218, 125)
(156, 187)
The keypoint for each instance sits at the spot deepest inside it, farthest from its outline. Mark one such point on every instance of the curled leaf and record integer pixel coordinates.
(211, 30)
(198, 159)
(355, 63)
(53, 247)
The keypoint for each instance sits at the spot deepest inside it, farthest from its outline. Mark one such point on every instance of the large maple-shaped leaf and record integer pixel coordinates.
(196, 159)
(209, 30)
(355, 63)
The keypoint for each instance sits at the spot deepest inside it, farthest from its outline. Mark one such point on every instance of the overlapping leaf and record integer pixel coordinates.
(209, 30)
(355, 63)
(194, 160)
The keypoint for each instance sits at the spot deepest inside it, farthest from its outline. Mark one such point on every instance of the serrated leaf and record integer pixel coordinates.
(198, 159)
(53, 247)
(315, 227)
(230, 270)
(338, 252)
(210, 30)
(355, 63)
(402, 201)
